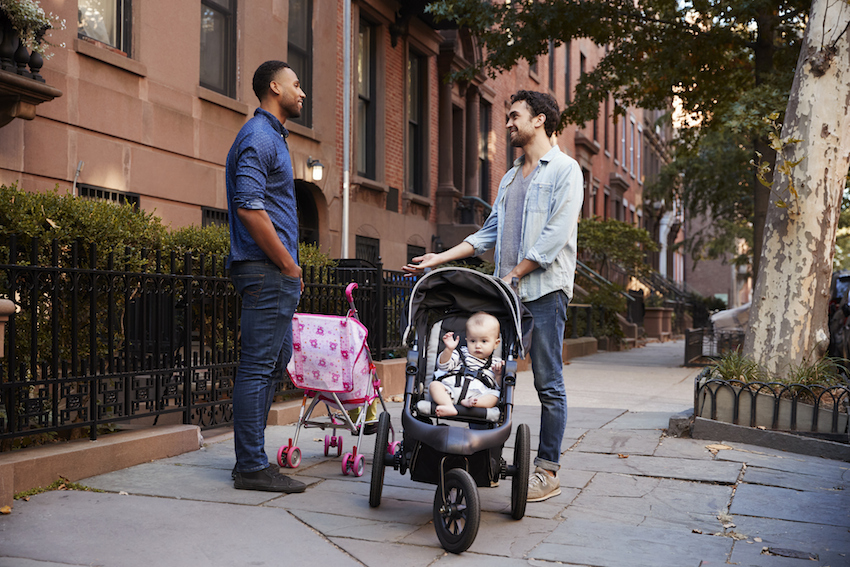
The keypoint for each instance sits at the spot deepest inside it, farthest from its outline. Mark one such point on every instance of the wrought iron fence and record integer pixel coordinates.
(702, 346)
(105, 338)
(813, 410)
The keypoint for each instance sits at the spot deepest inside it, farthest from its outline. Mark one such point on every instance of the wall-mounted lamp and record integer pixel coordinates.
(317, 168)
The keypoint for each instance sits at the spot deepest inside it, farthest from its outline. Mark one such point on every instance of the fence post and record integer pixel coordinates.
(381, 309)
(187, 341)
(7, 308)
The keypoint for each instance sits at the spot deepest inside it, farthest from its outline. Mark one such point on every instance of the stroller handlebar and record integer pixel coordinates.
(349, 291)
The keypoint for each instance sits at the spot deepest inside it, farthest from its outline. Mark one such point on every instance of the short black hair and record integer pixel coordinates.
(541, 103)
(264, 75)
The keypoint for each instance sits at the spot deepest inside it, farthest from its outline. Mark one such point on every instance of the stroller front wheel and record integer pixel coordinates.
(457, 511)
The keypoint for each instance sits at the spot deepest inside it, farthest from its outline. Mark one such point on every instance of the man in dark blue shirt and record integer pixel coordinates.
(264, 267)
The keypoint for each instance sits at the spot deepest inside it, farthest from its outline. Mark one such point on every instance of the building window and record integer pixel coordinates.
(101, 194)
(568, 84)
(623, 131)
(367, 248)
(300, 53)
(213, 217)
(552, 65)
(366, 91)
(605, 122)
(484, 152)
(414, 251)
(106, 21)
(218, 46)
(632, 146)
(415, 123)
(638, 145)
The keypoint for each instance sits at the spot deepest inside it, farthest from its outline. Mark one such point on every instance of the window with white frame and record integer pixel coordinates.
(366, 103)
(632, 129)
(106, 21)
(218, 46)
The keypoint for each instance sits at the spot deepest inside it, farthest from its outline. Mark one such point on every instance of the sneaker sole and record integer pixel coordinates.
(270, 489)
(547, 496)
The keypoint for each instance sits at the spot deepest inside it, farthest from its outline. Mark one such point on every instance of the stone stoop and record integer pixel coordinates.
(35, 467)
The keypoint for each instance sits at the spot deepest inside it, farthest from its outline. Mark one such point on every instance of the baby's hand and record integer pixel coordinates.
(497, 367)
(451, 340)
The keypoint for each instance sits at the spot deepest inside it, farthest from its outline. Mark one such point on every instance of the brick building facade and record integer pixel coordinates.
(154, 92)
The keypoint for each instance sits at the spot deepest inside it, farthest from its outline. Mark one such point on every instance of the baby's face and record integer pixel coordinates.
(481, 342)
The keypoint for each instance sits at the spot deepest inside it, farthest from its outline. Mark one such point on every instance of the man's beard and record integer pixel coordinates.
(519, 139)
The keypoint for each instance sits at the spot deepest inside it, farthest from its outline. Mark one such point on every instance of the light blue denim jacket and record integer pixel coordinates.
(549, 227)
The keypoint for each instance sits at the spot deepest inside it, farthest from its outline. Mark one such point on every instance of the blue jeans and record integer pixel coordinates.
(547, 339)
(269, 300)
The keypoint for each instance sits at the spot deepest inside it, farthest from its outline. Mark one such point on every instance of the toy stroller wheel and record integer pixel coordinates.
(359, 464)
(377, 486)
(519, 485)
(281, 455)
(327, 444)
(293, 458)
(339, 446)
(456, 518)
(346, 462)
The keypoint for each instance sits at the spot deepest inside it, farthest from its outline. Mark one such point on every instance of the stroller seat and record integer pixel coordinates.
(433, 347)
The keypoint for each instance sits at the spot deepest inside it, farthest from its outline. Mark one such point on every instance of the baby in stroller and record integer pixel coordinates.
(473, 372)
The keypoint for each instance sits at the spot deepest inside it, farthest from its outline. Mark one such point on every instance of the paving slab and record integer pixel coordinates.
(619, 441)
(641, 420)
(613, 544)
(179, 481)
(819, 538)
(676, 447)
(790, 462)
(591, 418)
(815, 507)
(354, 527)
(91, 528)
(689, 504)
(662, 467)
(795, 481)
(376, 554)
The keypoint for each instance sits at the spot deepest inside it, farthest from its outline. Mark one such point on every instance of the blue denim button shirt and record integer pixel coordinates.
(549, 228)
(259, 176)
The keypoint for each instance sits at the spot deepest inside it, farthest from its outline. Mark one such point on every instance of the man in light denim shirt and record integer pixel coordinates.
(533, 227)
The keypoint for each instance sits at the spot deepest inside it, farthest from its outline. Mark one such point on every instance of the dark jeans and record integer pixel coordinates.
(269, 300)
(547, 339)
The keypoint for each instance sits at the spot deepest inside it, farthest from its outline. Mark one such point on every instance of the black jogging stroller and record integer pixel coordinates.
(447, 452)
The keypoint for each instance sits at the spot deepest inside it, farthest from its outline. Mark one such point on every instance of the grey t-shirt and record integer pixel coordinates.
(512, 223)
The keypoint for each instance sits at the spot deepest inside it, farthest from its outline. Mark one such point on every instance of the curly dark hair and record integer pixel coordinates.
(264, 75)
(541, 103)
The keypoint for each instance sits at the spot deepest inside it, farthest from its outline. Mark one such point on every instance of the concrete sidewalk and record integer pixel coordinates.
(630, 497)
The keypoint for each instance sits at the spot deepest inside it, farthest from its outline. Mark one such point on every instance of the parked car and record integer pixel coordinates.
(839, 315)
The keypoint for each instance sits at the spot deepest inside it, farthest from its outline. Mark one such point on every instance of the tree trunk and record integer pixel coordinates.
(763, 52)
(788, 323)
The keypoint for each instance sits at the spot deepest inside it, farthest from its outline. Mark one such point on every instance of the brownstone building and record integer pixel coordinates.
(154, 92)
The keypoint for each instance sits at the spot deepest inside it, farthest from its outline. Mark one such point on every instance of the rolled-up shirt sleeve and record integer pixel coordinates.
(253, 163)
(564, 211)
(485, 237)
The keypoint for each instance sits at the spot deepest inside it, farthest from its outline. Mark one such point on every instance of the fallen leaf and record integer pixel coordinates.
(696, 531)
(762, 427)
(6, 510)
(122, 493)
(717, 447)
(757, 539)
(622, 456)
(62, 487)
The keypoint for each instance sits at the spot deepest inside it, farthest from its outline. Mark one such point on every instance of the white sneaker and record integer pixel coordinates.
(542, 486)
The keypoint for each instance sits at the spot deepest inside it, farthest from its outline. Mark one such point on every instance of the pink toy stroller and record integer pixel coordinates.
(332, 363)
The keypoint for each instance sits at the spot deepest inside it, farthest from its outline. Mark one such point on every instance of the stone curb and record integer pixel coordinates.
(708, 429)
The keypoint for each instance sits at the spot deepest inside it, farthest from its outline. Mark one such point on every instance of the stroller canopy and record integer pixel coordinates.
(448, 291)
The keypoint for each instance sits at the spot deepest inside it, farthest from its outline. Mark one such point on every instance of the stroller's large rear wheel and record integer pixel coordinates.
(519, 484)
(378, 460)
(457, 511)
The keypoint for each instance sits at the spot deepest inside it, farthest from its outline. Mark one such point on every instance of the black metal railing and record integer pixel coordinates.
(813, 410)
(704, 345)
(105, 338)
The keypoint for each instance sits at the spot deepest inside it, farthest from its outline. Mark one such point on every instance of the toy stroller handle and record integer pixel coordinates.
(349, 291)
